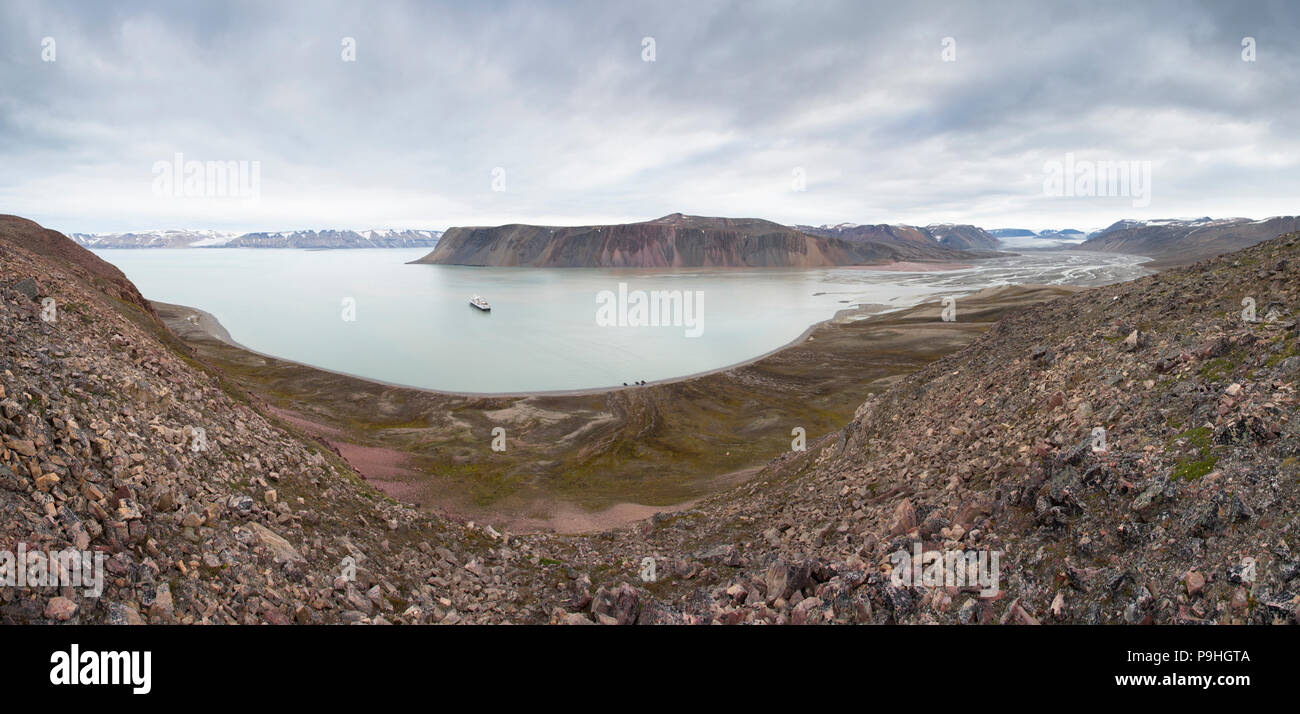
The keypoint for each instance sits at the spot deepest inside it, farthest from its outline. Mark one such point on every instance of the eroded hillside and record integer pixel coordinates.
(206, 510)
(677, 241)
(1184, 512)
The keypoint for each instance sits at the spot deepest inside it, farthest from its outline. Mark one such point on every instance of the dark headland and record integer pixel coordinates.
(680, 241)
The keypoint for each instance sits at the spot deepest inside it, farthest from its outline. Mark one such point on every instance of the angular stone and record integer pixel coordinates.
(279, 547)
(904, 518)
(60, 608)
(24, 447)
(783, 579)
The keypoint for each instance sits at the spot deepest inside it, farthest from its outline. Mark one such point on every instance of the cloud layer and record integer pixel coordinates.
(742, 103)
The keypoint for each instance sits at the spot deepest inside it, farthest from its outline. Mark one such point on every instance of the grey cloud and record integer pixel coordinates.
(740, 94)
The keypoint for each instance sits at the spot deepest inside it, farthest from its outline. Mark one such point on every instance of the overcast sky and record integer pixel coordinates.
(741, 102)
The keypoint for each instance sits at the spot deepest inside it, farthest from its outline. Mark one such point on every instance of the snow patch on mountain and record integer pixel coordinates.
(316, 239)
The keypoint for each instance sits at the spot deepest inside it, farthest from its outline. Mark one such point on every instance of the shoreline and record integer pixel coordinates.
(212, 326)
(912, 266)
(590, 460)
(920, 265)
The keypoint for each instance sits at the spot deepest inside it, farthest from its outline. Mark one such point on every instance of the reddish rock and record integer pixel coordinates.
(60, 608)
(904, 519)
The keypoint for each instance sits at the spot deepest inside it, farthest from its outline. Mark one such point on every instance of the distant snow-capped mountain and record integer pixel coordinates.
(963, 236)
(944, 235)
(1012, 233)
(337, 239)
(1178, 241)
(1064, 233)
(152, 239)
(1052, 233)
(386, 238)
(1050, 238)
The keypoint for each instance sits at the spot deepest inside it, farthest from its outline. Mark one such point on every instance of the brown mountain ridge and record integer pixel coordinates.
(677, 241)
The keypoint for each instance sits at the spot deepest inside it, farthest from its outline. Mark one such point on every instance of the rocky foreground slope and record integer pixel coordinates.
(1187, 513)
(1184, 512)
(676, 241)
(116, 441)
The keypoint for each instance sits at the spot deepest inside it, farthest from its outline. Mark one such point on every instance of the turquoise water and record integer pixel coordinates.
(413, 324)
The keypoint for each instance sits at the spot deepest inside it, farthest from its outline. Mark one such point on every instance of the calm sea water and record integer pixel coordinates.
(413, 324)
